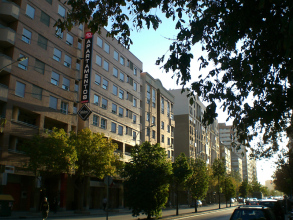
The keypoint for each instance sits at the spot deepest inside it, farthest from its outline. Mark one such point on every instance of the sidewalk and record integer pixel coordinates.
(167, 212)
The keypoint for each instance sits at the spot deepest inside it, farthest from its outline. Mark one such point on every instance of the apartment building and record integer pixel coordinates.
(37, 93)
(191, 136)
(225, 153)
(42, 91)
(157, 119)
(239, 152)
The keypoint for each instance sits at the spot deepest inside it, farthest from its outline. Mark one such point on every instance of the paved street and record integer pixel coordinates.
(125, 214)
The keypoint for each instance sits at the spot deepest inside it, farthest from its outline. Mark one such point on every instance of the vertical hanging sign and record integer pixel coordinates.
(86, 74)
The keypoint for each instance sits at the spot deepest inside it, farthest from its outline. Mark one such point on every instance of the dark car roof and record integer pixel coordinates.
(253, 207)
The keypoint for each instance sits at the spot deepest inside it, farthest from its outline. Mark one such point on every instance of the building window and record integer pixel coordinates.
(154, 98)
(19, 89)
(69, 39)
(116, 55)
(122, 61)
(106, 65)
(105, 84)
(148, 132)
(115, 72)
(95, 120)
(23, 64)
(148, 116)
(61, 11)
(134, 102)
(128, 131)
(97, 79)
(134, 135)
(121, 76)
(154, 134)
(113, 127)
(59, 33)
(134, 86)
(103, 123)
(67, 61)
(120, 130)
(99, 60)
(79, 44)
(162, 125)
(65, 84)
(168, 128)
(37, 92)
(77, 65)
(53, 102)
(104, 103)
(121, 94)
(45, 18)
(55, 78)
(80, 26)
(42, 42)
(39, 66)
(162, 105)
(134, 119)
(49, 1)
(64, 108)
(76, 87)
(107, 48)
(135, 71)
(153, 120)
(163, 138)
(57, 55)
(100, 42)
(121, 110)
(114, 108)
(130, 80)
(96, 100)
(30, 11)
(168, 141)
(115, 90)
(26, 36)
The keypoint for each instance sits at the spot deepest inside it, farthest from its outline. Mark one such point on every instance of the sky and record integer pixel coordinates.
(149, 45)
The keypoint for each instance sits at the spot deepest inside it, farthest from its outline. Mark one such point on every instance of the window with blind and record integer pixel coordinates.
(26, 36)
(42, 42)
(23, 64)
(53, 102)
(67, 61)
(65, 84)
(30, 11)
(39, 66)
(37, 92)
(59, 33)
(45, 18)
(57, 55)
(19, 89)
(55, 78)
(69, 39)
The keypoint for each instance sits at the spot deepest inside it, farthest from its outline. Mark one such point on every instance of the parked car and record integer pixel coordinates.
(249, 212)
(276, 206)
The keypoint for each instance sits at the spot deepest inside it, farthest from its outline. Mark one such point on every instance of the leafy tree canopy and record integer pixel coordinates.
(147, 178)
(248, 46)
(198, 182)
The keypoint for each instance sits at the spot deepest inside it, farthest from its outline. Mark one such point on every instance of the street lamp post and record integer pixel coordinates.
(18, 60)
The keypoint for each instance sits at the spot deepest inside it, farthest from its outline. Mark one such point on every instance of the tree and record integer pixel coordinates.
(229, 189)
(244, 189)
(219, 171)
(283, 179)
(147, 177)
(50, 153)
(85, 154)
(181, 172)
(247, 46)
(198, 181)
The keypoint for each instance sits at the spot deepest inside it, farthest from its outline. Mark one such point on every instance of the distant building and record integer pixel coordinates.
(191, 137)
(270, 184)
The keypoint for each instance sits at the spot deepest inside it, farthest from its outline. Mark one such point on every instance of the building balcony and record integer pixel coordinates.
(5, 62)
(3, 92)
(9, 11)
(7, 37)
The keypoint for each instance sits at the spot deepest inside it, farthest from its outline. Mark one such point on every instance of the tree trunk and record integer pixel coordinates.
(177, 201)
